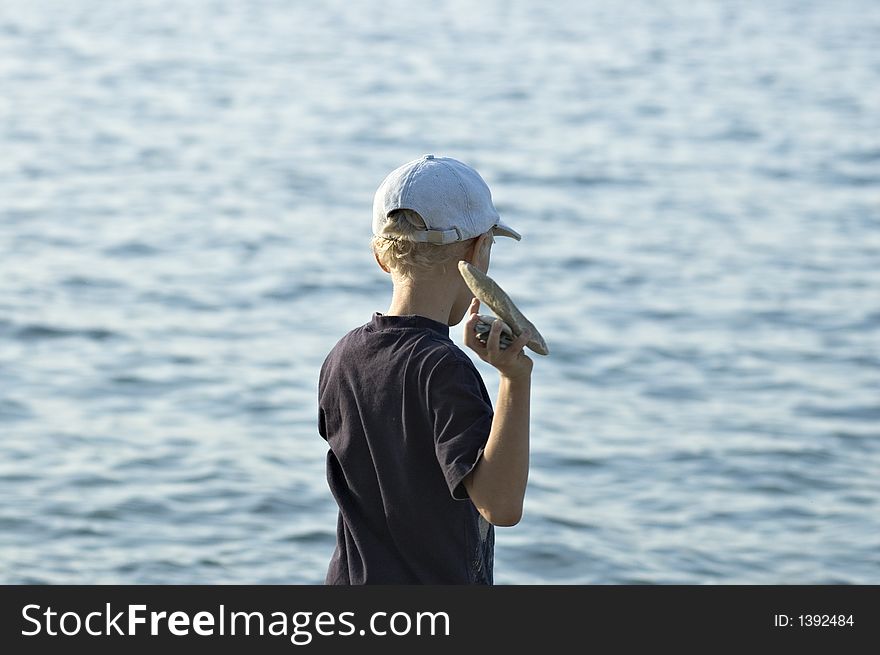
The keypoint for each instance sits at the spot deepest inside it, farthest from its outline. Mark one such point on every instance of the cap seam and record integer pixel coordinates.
(404, 196)
(467, 196)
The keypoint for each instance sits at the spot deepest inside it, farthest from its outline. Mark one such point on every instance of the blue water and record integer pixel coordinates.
(185, 206)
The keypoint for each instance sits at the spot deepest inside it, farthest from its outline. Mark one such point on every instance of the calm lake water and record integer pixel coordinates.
(185, 206)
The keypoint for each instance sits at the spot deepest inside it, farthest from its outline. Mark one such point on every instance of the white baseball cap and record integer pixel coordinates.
(451, 196)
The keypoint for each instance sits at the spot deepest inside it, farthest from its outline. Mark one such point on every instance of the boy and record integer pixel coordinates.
(420, 465)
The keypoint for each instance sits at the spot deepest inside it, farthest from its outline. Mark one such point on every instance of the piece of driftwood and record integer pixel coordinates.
(487, 291)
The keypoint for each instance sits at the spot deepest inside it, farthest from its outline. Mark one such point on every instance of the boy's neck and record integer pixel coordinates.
(429, 298)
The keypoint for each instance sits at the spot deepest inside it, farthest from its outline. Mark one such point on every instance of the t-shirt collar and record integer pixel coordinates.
(381, 322)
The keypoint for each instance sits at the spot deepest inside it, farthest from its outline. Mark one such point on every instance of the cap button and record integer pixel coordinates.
(429, 156)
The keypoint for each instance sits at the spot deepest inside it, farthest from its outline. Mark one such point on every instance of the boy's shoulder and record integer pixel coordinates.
(364, 341)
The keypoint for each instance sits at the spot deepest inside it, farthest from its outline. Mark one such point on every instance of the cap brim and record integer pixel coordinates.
(503, 230)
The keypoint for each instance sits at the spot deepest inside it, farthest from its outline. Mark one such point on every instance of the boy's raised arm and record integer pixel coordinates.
(497, 485)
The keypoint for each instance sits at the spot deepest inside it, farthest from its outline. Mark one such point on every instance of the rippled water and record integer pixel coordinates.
(185, 197)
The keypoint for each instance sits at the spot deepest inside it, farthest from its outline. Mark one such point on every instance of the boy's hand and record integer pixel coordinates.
(512, 362)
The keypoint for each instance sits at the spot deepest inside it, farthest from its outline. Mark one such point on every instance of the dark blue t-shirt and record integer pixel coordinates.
(406, 415)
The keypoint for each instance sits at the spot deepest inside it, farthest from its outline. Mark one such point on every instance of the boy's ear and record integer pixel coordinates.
(381, 265)
(477, 246)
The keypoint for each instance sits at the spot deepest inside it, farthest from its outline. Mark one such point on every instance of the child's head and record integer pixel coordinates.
(429, 213)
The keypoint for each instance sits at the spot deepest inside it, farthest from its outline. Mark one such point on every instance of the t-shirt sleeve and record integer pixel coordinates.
(462, 417)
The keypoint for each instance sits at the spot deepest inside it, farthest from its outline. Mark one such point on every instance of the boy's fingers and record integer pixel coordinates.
(470, 330)
(520, 342)
(470, 333)
(492, 343)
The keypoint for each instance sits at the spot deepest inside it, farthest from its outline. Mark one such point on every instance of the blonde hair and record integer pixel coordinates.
(397, 252)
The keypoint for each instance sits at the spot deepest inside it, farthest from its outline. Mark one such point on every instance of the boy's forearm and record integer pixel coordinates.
(501, 477)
